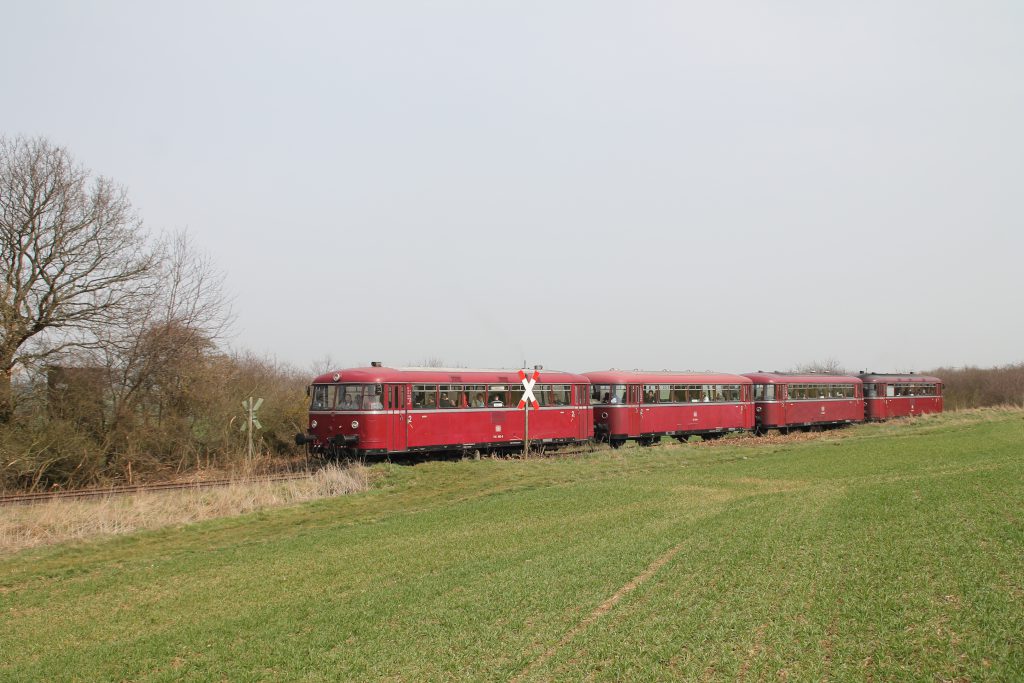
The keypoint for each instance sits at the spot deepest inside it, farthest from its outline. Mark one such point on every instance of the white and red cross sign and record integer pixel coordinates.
(528, 396)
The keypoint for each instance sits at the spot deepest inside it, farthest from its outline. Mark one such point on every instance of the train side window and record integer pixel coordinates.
(452, 396)
(890, 390)
(424, 396)
(497, 396)
(560, 394)
(769, 392)
(476, 395)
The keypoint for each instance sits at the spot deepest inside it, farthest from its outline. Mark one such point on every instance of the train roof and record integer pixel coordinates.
(662, 377)
(878, 377)
(800, 378)
(378, 375)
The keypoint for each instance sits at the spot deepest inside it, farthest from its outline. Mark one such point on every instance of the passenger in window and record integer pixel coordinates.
(445, 401)
(496, 401)
(478, 400)
(606, 398)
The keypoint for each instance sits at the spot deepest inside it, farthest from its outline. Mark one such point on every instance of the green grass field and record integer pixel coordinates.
(881, 552)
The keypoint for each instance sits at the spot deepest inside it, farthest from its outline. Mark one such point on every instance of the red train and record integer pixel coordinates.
(786, 401)
(378, 410)
(888, 396)
(648, 405)
(383, 411)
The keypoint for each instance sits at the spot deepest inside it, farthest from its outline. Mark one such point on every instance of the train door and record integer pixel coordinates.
(582, 416)
(633, 396)
(398, 416)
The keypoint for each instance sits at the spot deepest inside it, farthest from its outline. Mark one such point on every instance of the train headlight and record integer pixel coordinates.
(313, 424)
(604, 416)
(355, 424)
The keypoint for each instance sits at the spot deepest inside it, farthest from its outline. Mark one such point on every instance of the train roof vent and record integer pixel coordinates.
(375, 364)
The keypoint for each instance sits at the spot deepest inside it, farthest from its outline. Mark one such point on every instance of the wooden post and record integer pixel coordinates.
(249, 449)
(526, 439)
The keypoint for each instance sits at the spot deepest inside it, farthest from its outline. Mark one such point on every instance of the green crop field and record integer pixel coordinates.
(881, 552)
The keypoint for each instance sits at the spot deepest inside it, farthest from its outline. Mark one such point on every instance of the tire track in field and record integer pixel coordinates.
(601, 610)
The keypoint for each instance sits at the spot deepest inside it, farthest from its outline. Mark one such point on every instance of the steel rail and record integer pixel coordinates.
(41, 496)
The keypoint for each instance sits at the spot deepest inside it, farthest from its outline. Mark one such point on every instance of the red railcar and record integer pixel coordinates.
(648, 405)
(378, 410)
(785, 401)
(888, 396)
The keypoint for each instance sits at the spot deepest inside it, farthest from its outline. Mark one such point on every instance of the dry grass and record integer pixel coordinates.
(56, 521)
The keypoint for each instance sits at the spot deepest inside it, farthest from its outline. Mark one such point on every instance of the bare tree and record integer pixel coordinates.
(829, 366)
(165, 338)
(73, 256)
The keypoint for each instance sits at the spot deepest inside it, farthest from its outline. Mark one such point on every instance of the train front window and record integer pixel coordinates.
(322, 395)
(360, 397)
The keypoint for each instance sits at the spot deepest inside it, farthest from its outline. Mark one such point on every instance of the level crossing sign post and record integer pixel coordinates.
(525, 402)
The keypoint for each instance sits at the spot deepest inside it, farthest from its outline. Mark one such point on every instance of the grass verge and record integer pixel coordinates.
(57, 521)
(884, 552)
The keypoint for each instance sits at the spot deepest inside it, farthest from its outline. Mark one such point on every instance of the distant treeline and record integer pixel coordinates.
(971, 387)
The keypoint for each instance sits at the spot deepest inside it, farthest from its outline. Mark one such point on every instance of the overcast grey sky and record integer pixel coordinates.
(717, 185)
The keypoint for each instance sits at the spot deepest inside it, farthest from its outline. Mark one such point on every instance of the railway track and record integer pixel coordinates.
(37, 497)
(42, 496)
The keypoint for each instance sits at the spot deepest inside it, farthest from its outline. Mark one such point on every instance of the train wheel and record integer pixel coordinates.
(616, 443)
